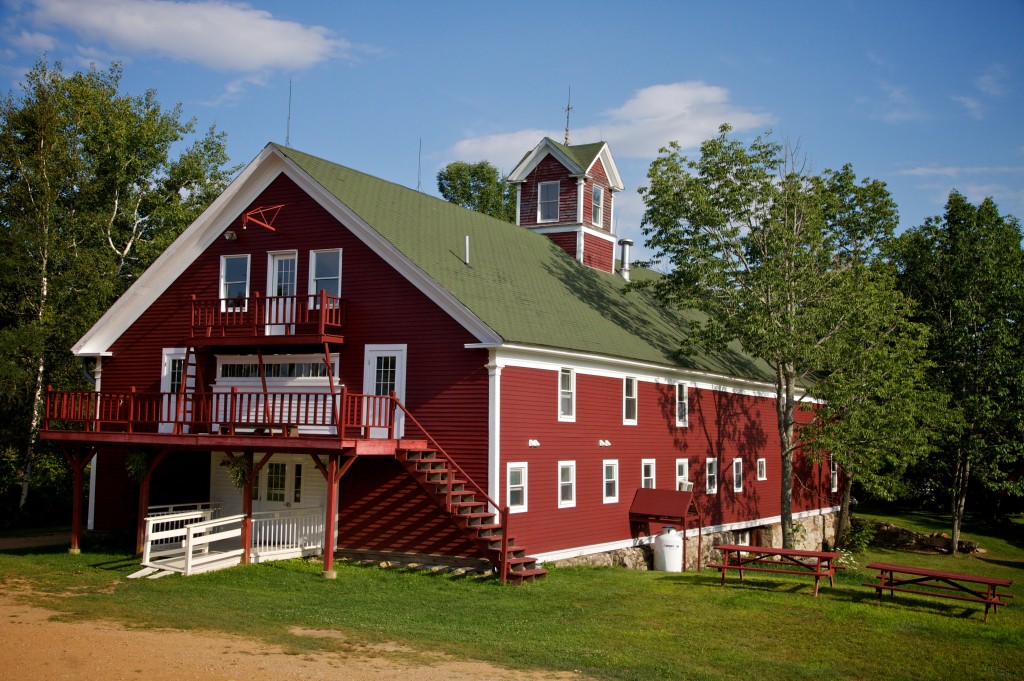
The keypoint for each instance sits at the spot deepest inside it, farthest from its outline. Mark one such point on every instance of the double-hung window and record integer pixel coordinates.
(737, 475)
(647, 473)
(566, 484)
(682, 406)
(325, 272)
(597, 206)
(762, 469)
(566, 395)
(711, 476)
(547, 202)
(610, 477)
(516, 487)
(629, 401)
(682, 474)
(234, 282)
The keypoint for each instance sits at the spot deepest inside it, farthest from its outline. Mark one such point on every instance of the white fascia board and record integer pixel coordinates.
(208, 227)
(549, 359)
(600, 234)
(533, 159)
(610, 169)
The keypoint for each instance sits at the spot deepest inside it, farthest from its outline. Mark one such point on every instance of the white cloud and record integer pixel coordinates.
(688, 113)
(898, 105)
(959, 171)
(29, 41)
(974, 108)
(219, 35)
(993, 81)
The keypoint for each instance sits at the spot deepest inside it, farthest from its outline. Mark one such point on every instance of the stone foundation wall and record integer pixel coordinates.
(814, 533)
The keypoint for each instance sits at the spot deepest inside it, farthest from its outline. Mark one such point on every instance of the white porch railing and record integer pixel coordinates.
(289, 533)
(181, 542)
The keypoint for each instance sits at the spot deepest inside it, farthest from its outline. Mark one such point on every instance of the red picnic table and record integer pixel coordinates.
(819, 564)
(959, 586)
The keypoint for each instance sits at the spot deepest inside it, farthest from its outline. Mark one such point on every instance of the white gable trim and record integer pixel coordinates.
(209, 226)
(610, 169)
(533, 159)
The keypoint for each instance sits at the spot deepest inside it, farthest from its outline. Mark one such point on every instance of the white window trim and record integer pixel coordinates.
(762, 469)
(737, 475)
(683, 390)
(522, 508)
(685, 477)
(604, 480)
(833, 474)
(558, 199)
(223, 279)
(571, 465)
(597, 218)
(571, 417)
(635, 398)
(654, 477)
(711, 476)
(314, 292)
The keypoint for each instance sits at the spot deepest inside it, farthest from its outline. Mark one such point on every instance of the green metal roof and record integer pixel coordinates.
(518, 283)
(583, 154)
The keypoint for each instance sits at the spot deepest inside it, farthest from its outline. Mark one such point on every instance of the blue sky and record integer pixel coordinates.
(926, 96)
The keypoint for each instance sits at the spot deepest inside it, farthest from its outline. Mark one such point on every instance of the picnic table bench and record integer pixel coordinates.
(819, 564)
(962, 587)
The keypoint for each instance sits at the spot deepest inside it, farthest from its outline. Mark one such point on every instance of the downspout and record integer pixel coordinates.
(85, 371)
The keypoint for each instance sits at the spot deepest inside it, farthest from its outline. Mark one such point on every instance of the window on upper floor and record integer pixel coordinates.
(566, 395)
(610, 477)
(647, 473)
(547, 201)
(737, 475)
(711, 476)
(682, 406)
(762, 469)
(566, 484)
(682, 475)
(597, 206)
(325, 272)
(629, 401)
(234, 282)
(516, 487)
(833, 474)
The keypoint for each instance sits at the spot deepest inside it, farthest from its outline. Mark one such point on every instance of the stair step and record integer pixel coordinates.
(464, 507)
(527, 575)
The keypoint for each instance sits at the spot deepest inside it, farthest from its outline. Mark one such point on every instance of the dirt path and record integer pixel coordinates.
(35, 647)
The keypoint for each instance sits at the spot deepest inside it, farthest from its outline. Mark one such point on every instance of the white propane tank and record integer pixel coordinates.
(668, 550)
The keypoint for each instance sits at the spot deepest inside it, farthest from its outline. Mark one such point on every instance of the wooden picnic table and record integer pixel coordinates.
(819, 564)
(959, 586)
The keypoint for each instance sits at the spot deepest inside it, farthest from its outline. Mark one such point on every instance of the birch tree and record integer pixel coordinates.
(90, 194)
(769, 253)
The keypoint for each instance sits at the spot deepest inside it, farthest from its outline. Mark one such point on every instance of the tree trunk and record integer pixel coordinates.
(37, 398)
(785, 406)
(844, 510)
(959, 501)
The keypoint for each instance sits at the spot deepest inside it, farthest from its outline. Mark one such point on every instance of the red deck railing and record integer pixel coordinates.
(345, 415)
(267, 315)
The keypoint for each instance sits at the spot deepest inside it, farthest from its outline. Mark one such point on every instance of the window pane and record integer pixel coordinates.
(327, 272)
(549, 201)
(297, 495)
(275, 481)
(516, 496)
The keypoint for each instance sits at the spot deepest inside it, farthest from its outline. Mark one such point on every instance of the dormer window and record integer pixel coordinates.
(597, 206)
(547, 202)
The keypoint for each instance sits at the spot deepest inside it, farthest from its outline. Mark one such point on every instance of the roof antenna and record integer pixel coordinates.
(288, 128)
(419, 168)
(568, 108)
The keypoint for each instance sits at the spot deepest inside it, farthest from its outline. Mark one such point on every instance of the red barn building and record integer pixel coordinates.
(404, 376)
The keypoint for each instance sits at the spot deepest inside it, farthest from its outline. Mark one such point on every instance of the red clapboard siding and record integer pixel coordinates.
(446, 384)
(566, 241)
(721, 425)
(548, 170)
(600, 178)
(598, 253)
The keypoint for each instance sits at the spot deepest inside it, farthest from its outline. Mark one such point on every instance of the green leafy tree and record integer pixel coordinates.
(965, 272)
(90, 194)
(770, 254)
(480, 187)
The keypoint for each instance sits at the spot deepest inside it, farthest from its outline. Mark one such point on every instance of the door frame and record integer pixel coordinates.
(370, 354)
(272, 283)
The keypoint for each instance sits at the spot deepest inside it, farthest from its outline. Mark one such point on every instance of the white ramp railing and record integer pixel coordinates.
(287, 533)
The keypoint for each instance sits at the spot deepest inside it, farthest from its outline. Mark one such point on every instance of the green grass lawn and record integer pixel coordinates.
(606, 622)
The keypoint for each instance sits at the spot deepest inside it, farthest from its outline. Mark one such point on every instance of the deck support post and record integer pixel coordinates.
(78, 460)
(247, 511)
(330, 514)
(140, 529)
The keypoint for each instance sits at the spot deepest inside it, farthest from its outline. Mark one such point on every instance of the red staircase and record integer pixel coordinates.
(453, 492)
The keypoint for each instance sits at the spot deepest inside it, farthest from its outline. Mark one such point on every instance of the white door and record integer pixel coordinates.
(279, 486)
(281, 290)
(383, 373)
(172, 374)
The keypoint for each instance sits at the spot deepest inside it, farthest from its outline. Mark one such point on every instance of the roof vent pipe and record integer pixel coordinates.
(624, 268)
